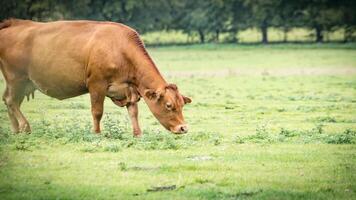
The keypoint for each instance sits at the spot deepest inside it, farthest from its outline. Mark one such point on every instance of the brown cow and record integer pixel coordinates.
(65, 59)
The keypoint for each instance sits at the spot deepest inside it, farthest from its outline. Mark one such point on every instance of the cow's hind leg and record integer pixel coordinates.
(13, 97)
(13, 120)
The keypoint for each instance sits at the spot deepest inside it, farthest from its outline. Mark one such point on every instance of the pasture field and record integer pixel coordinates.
(266, 122)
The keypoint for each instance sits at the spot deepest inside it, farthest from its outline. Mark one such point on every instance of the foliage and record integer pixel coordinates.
(207, 19)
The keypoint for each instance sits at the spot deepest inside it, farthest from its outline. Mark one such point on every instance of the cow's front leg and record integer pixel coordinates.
(97, 97)
(132, 109)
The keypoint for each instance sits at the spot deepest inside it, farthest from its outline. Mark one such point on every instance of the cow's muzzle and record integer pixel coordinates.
(180, 129)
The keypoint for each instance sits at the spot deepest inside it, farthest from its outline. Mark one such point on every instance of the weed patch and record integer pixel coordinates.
(314, 135)
(326, 119)
(347, 137)
(112, 148)
(261, 136)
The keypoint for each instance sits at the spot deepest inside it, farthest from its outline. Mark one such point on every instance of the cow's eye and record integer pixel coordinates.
(169, 106)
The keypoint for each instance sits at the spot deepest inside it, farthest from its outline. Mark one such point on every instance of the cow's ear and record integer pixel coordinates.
(152, 94)
(172, 86)
(187, 99)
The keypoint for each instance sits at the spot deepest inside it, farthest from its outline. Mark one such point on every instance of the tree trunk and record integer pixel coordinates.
(217, 34)
(285, 34)
(264, 30)
(201, 36)
(319, 34)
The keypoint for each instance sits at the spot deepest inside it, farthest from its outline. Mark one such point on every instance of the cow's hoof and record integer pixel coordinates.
(97, 131)
(15, 130)
(25, 128)
(137, 134)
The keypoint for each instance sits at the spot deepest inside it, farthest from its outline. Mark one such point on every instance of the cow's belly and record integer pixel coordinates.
(59, 80)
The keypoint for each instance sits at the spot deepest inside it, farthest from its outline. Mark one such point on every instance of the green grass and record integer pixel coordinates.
(217, 57)
(266, 122)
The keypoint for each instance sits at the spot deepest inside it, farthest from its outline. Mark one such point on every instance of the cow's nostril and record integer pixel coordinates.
(183, 128)
(180, 129)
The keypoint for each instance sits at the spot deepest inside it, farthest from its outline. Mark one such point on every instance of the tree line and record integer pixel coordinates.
(206, 18)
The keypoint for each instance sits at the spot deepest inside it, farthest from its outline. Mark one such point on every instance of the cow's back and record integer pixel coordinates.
(54, 55)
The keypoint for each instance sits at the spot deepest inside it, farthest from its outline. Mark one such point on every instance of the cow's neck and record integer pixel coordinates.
(148, 76)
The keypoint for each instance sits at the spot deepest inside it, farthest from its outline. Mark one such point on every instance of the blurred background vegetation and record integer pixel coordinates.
(201, 21)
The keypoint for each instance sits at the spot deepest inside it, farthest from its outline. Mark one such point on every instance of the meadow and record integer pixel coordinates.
(266, 122)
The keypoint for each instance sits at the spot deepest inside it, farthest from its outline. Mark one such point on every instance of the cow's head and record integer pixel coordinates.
(166, 104)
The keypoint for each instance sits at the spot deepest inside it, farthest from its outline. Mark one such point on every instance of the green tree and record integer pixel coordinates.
(218, 15)
(239, 18)
(321, 15)
(348, 19)
(8, 9)
(288, 15)
(194, 17)
(205, 18)
(263, 15)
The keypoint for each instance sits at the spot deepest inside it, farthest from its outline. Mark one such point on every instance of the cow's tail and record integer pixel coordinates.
(6, 23)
